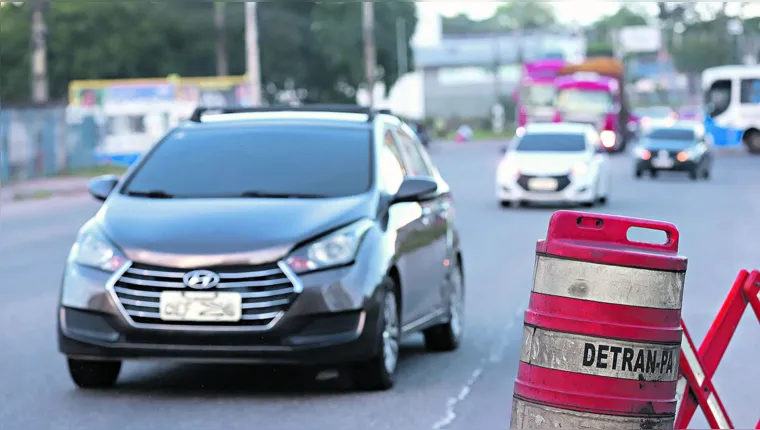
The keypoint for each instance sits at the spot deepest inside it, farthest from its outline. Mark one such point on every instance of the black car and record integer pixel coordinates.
(308, 236)
(682, 147)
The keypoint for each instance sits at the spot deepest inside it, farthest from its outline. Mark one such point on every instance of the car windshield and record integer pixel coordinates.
(670, 134)
(585, 101)
(265, 161)
(537, 95)
(552, 142)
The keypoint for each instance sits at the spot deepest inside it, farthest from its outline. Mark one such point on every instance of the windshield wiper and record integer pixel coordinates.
(272, 195)
(153, 194)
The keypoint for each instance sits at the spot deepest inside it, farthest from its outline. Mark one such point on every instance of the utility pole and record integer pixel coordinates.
(38, 38)
(370, 51)
(253, 66)
(221, 39)
(402, 55)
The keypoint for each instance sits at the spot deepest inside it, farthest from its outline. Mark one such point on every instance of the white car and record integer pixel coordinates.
(554, 162)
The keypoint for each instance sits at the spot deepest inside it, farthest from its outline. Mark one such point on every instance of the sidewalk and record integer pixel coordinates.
(43, 188)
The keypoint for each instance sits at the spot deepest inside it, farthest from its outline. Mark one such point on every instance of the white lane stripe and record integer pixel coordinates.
(712, 402)
(691, 359)
(608, 284)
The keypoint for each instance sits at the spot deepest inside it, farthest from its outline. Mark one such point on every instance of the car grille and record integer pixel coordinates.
(562, 182)
(266, 292)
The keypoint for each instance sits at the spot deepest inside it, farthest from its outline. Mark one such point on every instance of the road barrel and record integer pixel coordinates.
(601, 337)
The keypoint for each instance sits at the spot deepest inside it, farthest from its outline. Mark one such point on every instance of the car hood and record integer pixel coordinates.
(193, 232)
(547, 163)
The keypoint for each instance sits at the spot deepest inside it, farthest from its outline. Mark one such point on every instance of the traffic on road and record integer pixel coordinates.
(107, 302)
(323, 241)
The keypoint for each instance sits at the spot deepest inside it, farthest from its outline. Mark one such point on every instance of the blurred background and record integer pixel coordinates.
(86, 83)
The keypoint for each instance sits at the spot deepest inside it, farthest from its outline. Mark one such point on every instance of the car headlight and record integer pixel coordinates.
(580, 169)
(689, 154)
(508, 169)
(608, 138)
(642, 153)
(93, 250)
(338, 248)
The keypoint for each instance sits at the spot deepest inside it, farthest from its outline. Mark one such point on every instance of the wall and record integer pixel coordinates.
(469, 98)
(38, 142)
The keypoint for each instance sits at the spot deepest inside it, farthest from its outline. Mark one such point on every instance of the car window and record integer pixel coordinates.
(670, 134)
(552, 142)
(391, 170)
(213, 162)
(750, 91)
(415, 162)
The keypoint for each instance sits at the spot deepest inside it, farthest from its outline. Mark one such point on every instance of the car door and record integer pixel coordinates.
(405, 219)
(433, 250)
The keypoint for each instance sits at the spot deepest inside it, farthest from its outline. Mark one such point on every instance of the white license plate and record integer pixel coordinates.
(200, 306)
(543, 184)
(662, 163)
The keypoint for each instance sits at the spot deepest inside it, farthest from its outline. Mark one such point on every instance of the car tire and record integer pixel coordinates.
(603, 200)
(94, 374)
(448, 336)
(653, 173)
(694, 174)
(706, 173)
(752, 141)
(638, 174)
(505, 203)
(377, 373)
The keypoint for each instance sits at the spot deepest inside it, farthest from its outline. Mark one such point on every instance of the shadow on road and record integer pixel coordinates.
(235, 380)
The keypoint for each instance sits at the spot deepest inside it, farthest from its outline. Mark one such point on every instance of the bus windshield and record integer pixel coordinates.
(537, 95)
(585, 101)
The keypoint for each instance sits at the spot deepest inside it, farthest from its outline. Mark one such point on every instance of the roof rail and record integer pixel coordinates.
(338, 108)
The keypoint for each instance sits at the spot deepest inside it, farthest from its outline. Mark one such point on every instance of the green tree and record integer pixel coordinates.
(511, 15)
(526, 15)
(602, 29)
(312, 46)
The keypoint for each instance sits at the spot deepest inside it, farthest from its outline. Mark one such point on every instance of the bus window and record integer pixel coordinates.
(718, 97)
(750, 91)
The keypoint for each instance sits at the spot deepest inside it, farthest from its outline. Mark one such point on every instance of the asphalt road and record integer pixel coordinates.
(467, 389)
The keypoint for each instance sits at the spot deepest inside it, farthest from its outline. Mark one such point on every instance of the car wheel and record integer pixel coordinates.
(706, 172)
(694, 174)
(638, 174)
(94, 374)
(653, 173)
(377, 373)
(505, 203)
(752, 141)
(603, 200)
(448, 336)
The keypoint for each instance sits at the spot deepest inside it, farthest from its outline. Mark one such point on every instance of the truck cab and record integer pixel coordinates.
(535, 97)
(593, 93)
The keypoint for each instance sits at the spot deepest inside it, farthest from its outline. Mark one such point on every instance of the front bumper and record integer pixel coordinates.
(333, 320)
(580, 190)
(678, 166)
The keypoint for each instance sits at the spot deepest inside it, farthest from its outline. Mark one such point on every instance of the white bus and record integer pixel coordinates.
(732, 105)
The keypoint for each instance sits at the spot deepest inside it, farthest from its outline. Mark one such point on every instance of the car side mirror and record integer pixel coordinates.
(415, 190)
(101, 187)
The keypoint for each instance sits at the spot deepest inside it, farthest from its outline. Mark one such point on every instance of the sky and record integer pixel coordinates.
(567, 10)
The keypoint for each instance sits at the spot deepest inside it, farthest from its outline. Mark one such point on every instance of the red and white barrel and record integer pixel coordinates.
(602, 336)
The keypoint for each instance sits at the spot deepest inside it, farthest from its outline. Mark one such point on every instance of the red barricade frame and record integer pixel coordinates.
(745, 291)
